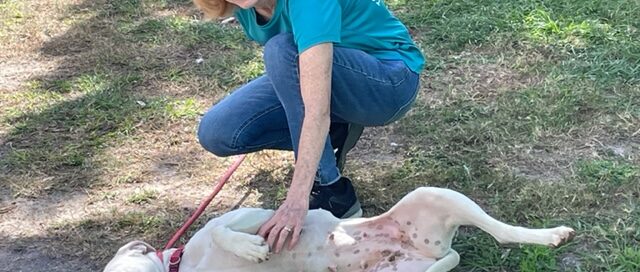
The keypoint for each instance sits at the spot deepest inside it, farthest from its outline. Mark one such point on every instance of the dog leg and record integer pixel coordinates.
(448, 262)
(463, 211)
(235, 232)
(238, 234)
(430, 217)
(407, 264)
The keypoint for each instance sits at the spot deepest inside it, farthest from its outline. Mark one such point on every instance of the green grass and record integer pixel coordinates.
(11, 14)
(538, 258)
(142, 196)
(57, 134)
(586, 55)
(608, 173)
(531, 108)
(628, 259)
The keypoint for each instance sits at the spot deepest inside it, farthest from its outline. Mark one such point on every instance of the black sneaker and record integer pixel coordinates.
(338, 198)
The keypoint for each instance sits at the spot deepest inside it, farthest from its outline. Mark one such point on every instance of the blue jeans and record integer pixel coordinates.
(267, 112)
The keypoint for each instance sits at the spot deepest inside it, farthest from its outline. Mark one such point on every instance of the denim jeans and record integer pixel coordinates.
(267, 112)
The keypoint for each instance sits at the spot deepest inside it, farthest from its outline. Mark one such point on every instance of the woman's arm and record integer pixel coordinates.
(315, 84)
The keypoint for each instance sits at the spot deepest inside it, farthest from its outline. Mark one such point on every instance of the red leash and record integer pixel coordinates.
(203, 205)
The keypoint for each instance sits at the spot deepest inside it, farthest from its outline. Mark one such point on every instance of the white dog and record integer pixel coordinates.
(414, 236)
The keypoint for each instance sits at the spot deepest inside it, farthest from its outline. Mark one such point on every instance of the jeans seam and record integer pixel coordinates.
(387, 82)
(361, 72)
(236, 135)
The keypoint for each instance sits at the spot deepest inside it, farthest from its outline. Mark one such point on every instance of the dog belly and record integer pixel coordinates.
(305, 257)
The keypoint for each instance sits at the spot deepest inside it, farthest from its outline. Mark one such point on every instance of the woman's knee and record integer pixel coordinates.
(214, 135)
(280, 49)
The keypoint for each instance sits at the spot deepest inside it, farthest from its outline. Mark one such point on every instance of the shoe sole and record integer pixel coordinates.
(354, 212)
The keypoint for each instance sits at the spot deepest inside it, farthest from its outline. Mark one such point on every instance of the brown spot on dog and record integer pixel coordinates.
(337, 254)
(426, 241)
(365, 235)
(437, 243)
(408, 223)
(415, 235)
(356, 251)
(331, 236)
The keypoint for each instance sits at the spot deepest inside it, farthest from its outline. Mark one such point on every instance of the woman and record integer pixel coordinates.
(344, 61)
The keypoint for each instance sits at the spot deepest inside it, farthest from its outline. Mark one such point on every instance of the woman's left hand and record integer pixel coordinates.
(287, 221)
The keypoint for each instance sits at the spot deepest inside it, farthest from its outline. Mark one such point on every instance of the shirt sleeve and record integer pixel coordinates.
(314, 22)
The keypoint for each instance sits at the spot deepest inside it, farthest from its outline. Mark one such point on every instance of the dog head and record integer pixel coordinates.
(136, 256)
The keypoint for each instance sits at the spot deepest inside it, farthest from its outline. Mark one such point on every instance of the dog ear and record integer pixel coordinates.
(140, 247)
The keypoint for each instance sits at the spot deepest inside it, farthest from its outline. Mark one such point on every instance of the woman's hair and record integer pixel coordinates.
(214, 9)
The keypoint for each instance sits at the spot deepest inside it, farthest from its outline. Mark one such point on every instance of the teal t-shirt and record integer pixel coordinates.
(366, 25)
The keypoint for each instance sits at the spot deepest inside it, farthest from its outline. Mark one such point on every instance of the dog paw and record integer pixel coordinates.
(250, 247)
(561, 235)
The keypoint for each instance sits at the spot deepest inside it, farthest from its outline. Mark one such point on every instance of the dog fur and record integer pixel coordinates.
(415, 235)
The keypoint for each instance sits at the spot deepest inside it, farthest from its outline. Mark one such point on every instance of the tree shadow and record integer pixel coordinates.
(88, 244)
(123, 67)
(271, 190)
(113, 79)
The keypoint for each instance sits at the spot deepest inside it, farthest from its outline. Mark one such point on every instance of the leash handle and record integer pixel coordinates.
(205, 202)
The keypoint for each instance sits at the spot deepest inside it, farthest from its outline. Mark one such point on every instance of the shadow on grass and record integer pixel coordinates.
(113, 79)
(89, 243)
(272, 190)
(57, 144)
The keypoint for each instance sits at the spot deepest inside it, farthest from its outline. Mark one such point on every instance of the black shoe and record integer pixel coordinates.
(338, 198)
(344, 137)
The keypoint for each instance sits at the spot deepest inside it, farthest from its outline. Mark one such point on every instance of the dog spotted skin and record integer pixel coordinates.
(415, 235)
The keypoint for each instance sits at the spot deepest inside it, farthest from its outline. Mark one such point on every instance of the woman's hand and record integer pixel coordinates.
(287, 221)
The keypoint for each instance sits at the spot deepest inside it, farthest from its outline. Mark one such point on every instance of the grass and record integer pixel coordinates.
(11, 15)
(531, 108)
(143, 196)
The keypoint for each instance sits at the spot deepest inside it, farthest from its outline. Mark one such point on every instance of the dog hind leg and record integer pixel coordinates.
(446, 263)
(464, 211)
